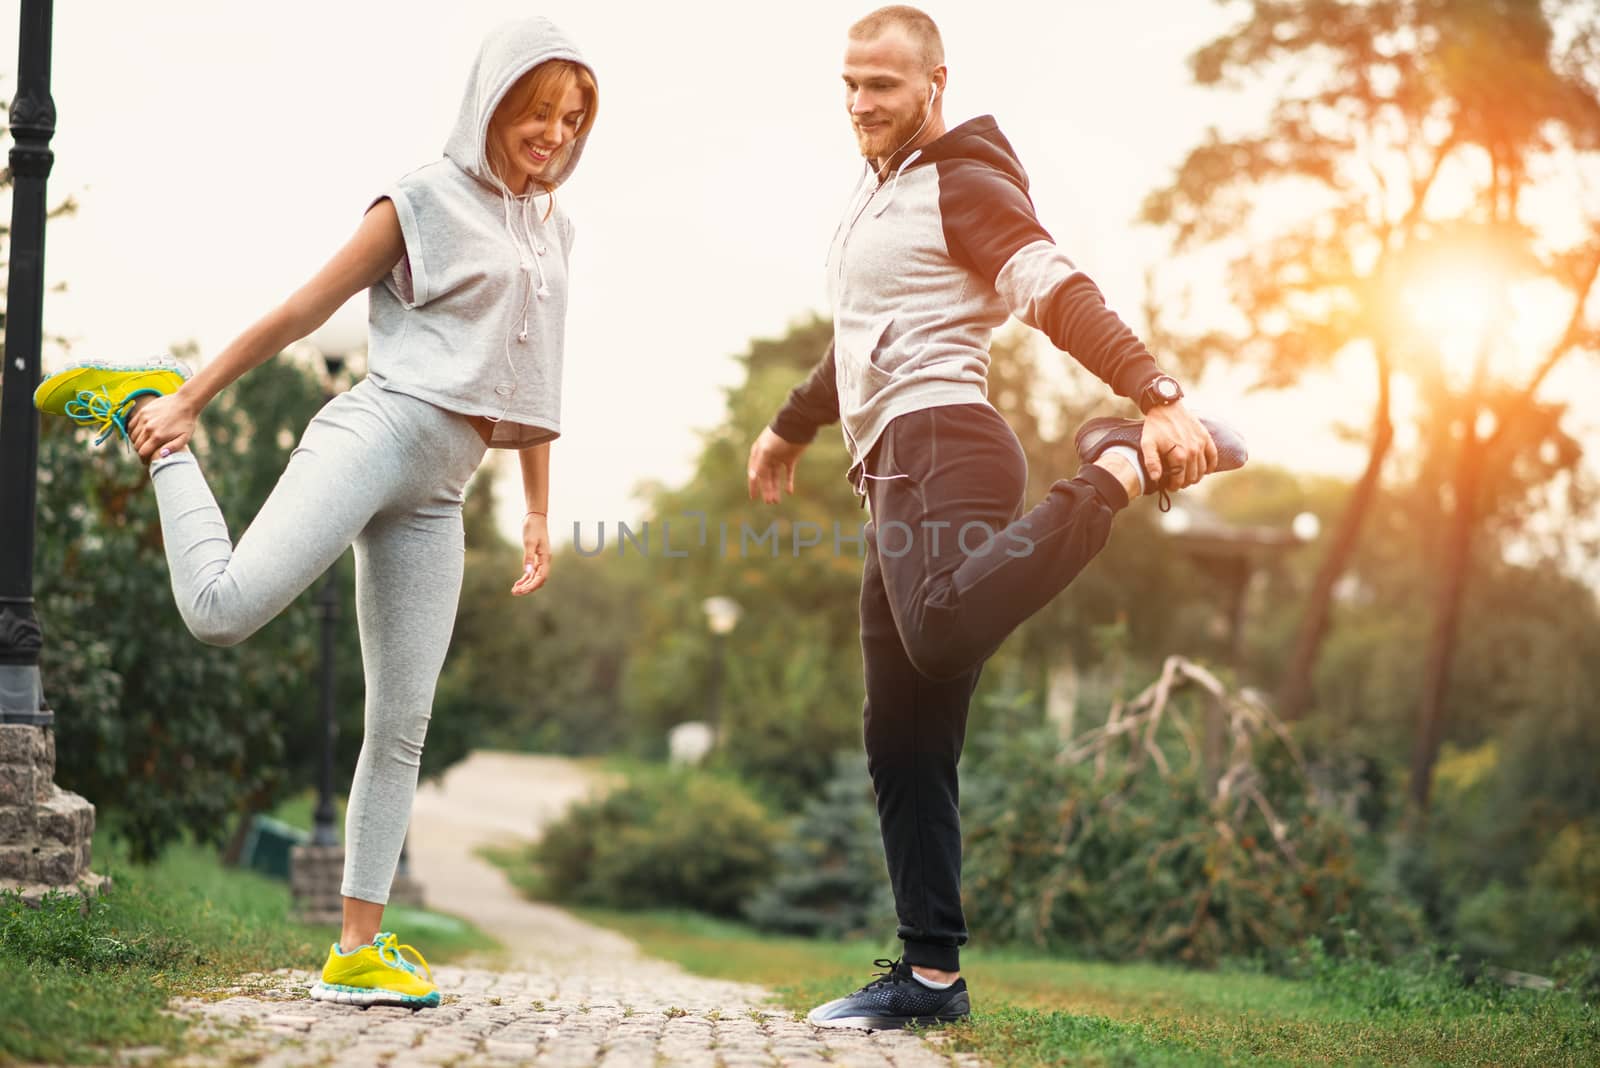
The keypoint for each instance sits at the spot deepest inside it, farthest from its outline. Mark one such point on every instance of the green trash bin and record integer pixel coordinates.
(267, 846)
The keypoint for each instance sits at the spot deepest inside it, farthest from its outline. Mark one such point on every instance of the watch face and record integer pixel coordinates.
(1167, 388)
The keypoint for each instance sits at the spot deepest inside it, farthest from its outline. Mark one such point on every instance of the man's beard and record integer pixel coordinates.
(885, 141)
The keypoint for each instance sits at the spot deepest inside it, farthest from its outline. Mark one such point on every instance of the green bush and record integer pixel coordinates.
(1133, 860)
(831, 881)
(678, 839)
(1508, 865)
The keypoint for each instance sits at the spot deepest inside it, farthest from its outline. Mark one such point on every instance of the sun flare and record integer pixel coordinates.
(1458, 298)
(1477, 311)
(1475, 308)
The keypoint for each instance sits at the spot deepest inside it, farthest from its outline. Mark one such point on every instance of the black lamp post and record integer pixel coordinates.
(1234, 554)
(33, 123)
(722, 615)
(323, 832)
(334, 340)
(316, 868)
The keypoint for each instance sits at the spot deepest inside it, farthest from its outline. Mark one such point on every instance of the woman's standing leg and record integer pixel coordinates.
(409, 563)
(408, 584)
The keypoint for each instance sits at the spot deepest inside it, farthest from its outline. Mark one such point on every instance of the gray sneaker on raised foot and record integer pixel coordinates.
(1098, 435)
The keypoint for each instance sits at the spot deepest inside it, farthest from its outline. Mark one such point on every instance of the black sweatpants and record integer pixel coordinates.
(952, 567)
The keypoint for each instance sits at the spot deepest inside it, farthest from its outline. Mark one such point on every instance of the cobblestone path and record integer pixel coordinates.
(569, 995)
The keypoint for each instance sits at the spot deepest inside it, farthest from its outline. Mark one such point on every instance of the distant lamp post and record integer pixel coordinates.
(335, 340)
(316, 870)
(1234, 554)
(722, 615)
(1176, 521)
(1306, 526)
(344, 334)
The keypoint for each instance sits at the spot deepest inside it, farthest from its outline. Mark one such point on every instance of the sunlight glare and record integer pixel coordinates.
(1454, 305)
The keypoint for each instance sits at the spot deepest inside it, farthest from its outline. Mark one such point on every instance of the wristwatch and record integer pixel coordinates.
(1161, 391)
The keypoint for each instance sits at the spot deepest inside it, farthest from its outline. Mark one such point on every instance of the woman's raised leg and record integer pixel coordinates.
(337, 478)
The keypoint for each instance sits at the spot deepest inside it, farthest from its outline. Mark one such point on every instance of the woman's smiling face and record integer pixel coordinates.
(528, 143)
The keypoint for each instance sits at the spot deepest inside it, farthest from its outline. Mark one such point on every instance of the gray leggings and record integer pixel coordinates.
(383, 471)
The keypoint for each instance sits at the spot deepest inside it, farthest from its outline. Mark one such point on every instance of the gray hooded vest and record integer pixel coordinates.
(472, 317)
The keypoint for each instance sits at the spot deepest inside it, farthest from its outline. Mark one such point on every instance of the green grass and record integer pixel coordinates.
(1034, 1010)
(74, 988)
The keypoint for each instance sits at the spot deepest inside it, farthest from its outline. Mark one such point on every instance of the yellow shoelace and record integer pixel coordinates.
(94, 410)
(388, 942)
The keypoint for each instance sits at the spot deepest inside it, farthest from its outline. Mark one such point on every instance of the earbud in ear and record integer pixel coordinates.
(933, 92)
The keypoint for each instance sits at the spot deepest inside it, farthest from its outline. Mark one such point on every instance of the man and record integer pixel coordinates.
(939, 244)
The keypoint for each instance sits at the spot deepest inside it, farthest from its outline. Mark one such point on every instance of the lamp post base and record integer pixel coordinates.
(316, 875)
(407, 891)
(22, 696)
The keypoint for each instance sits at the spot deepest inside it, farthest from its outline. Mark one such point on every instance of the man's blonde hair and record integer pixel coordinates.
(922, 30)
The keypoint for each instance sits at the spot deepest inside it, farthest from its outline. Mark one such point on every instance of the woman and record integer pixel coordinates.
(465, 263)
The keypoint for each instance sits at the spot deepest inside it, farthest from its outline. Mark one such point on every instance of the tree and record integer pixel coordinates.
(1380, 103)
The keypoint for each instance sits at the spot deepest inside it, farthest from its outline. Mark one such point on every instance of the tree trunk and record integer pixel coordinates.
(1467, 481)
(1295, 693)
(1446, 620)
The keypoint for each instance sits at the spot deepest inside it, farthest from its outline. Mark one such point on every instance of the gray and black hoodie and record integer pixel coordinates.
(924, 266)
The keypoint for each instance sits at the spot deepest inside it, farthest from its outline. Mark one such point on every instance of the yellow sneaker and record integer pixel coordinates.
(98, 394)
(377, 974)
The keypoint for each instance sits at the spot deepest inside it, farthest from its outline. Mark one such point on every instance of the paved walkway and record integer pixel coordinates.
(570, 994)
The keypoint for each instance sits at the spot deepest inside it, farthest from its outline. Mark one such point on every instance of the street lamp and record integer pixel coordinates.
(722, 615)
(46, 836)
(334, 340)
(1176, 521)
(33, 123)
(1306, 526)
(1233, 554)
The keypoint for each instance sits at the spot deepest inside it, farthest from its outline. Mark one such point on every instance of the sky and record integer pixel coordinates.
(220, 152)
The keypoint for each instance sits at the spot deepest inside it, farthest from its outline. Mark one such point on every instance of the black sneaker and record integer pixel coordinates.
(893, 1000)
(1098, 435)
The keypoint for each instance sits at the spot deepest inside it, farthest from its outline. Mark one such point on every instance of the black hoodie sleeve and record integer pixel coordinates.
(990, 228)
(812, 404)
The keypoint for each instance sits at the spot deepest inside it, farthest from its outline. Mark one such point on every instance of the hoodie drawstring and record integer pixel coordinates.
(894, 185)
(529, 253)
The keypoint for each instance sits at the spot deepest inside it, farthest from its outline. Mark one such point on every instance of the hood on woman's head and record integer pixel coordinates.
(508, 52)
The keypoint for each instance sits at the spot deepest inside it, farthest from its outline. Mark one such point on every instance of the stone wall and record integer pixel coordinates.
(45, 831)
